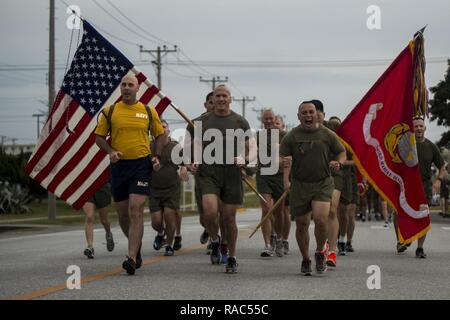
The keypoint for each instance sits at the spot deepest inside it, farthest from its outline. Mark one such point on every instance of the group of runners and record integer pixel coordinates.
(313, 167)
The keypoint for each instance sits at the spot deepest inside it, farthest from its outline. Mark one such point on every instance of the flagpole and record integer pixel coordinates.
(271, 211)
(51, 93)
(244, 177)
(181, 113)
(420, 32)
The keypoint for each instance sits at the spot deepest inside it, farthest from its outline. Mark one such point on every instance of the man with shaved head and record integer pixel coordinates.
(309, 180)
(128, 123)
(219, 174)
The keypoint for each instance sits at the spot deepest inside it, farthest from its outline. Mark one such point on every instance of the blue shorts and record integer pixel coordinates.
(130, 176)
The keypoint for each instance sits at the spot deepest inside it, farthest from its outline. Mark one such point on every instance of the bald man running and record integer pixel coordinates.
(128, 124)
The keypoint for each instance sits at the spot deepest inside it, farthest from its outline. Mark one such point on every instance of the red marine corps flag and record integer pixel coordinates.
(380, 134)
(66, 160)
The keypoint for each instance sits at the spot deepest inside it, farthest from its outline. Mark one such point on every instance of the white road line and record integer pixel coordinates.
(379, 227)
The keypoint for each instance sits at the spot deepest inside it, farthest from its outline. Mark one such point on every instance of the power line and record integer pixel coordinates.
(242, 64)
(123, 24)
(136, 25)
(181, 74)
(195, 64)
(295, 64)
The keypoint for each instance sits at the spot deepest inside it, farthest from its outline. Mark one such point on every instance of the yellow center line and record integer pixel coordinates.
(99, 276)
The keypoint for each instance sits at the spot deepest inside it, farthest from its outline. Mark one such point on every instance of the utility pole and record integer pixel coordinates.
(51, 93)
(259, 113)
(3, 140)
(244, 100)
(214, 80)
(158, 54)
(38, 116)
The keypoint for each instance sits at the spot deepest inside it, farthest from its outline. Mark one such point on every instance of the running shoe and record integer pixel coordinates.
(321, 265)
(109, 241)
(279, 248)
(208, 247)
(401, 247)
(267, 252)
(177, 243)
(331, 259)
(215, 252)
(129, 265)
(286, 246)
(420, 254)
(273, 240)
(341, 248)
(89, 252)
(159, 242)
(204, 237)
(231, 266)
(306, 269)
(349, 247)
(169, 251)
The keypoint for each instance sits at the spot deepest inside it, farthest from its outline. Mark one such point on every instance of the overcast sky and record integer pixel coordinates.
(244, 31)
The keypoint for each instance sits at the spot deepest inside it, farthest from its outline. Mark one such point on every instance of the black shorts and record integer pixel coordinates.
(130, 176)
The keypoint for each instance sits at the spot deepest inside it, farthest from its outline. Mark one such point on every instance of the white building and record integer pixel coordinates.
(16, 149)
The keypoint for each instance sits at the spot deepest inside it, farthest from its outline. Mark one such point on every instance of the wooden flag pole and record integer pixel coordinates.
(271, 211)
(181, 113)
(252, 187)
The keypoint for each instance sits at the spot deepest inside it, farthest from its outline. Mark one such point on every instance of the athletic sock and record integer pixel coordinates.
(215, 241)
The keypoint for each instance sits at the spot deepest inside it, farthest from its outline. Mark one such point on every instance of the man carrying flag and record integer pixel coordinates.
(379, 133)
(66, 161)
(129, 154)
(428, 154)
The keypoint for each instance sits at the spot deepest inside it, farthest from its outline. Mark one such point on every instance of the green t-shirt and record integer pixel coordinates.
(268, 147)
(428, 153)
(233, 121)
(334, 173)
(167, 175)
(310, 151)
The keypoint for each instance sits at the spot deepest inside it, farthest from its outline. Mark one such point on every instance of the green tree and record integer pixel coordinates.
(440, 106)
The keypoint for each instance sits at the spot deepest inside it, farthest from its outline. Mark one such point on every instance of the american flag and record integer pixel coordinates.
(66, 160)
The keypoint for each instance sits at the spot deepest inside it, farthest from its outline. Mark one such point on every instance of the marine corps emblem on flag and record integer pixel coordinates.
(401, 145)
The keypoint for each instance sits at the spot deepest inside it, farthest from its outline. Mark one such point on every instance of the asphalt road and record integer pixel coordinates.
(33, 266)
